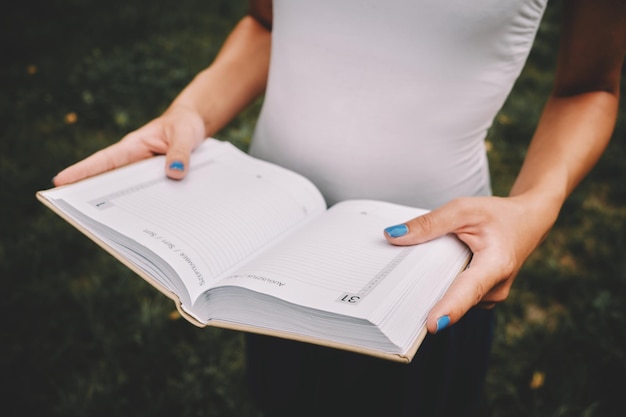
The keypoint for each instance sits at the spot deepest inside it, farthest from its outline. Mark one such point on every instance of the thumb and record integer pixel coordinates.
(178, 156)
(424, 228)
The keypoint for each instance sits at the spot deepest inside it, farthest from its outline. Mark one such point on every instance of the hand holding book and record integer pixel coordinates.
(175, 134)
(245, 244)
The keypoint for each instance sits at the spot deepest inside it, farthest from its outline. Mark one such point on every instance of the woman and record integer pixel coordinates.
(392, 101)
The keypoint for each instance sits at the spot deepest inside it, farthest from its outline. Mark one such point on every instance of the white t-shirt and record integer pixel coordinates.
(391, 99)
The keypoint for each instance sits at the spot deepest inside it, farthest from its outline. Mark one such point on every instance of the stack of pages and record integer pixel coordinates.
(244, 244)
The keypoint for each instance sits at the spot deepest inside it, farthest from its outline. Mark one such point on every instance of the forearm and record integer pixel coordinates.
(580, 115)
(572, 133)
(236, 77)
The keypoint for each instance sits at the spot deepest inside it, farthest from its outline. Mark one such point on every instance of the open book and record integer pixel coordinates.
(244, 244)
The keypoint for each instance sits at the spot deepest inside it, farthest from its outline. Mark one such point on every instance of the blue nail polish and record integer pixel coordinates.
(397, 231)
(177, 166)
(442, 323)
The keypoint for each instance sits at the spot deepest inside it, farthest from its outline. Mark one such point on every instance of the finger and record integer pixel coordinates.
(445, 219)
(111, 157)
(460, 297)
(467, 291)
(497, 294)
(178, 155)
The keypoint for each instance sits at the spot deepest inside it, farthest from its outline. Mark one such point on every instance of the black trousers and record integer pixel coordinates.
(445, 378)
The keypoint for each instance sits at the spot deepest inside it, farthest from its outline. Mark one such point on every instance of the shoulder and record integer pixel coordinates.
(261, 10)
(593, 45)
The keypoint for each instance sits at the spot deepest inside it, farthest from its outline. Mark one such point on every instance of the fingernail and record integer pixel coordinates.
(397, 230)
(177, 166)
(442, 323)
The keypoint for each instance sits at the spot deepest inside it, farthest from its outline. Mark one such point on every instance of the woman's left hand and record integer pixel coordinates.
(500, 231)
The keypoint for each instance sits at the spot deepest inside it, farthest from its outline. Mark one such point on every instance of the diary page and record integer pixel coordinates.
(227, 208)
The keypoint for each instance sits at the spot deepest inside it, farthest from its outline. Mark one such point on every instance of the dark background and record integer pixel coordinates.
(81, 335)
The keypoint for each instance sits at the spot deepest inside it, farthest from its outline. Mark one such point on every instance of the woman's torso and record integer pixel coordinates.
(391, 100)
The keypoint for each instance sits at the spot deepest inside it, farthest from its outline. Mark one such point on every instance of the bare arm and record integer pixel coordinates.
(572, 133)
(580, 115)
(235, 78)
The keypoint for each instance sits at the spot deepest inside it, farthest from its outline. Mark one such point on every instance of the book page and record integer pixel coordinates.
(227, 208)
(341, 262)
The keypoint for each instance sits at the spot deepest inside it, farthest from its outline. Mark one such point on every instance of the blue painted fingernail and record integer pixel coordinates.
(442, 323)
(397, 230)
(177, 166)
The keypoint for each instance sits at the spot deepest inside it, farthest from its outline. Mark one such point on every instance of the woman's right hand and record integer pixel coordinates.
(176, 134)
(237, 76)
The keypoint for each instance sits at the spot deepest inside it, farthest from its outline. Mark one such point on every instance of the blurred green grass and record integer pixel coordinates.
(82, 335)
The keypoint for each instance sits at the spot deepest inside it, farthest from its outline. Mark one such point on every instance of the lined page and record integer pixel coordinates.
(339, 259)
(229, 206)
